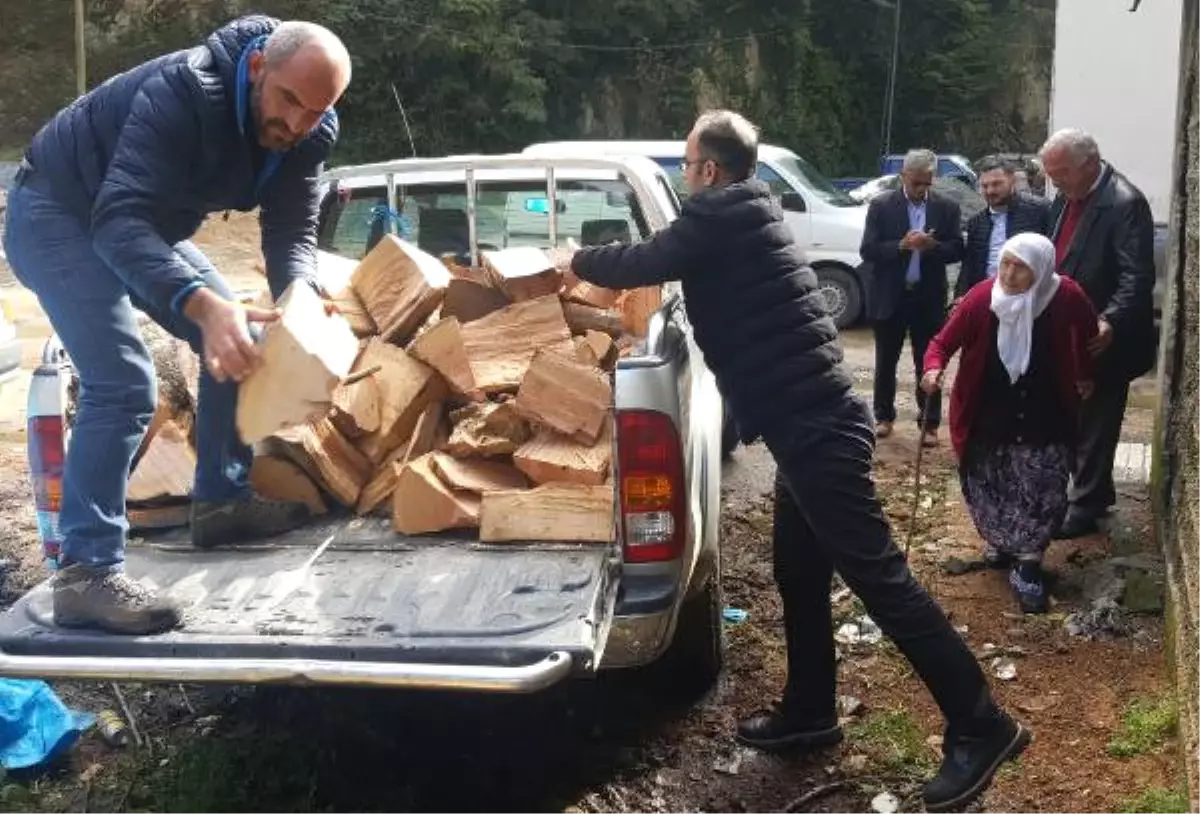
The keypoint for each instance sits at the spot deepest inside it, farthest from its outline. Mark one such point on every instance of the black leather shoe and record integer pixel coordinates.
(774, 731)
(1076, 525)
(970, 760)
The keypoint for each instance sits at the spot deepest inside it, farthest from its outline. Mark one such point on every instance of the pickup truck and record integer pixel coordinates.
(348, 601)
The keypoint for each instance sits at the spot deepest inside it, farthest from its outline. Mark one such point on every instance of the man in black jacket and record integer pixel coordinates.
(1008, 213)
(99, 223)
(762, 326)
(911, 235)
(1104, 234)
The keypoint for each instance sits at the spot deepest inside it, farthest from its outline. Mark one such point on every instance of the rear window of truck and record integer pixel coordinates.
(507, 214)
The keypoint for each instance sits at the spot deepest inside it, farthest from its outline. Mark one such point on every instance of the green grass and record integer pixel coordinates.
(1148, 723)
(1158, 799)
(895, 741)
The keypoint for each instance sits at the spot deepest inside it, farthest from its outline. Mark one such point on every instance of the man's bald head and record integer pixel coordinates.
(300, 74)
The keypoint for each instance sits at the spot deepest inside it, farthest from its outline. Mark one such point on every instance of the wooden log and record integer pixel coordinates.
(423, 504)
(441, 347)
(380, 488)
(167, 469)
(565, 396)
(501, 345)
(350, 306)
(406, 388)
(304, 356)
(468, 300)
(637, 306)
(585, 293)
(400, 286)
(289, 445)
(584, 318)
(476, 475)
(552, 458)
(281, 479)
(486, 429)
(344, 470)
(557, 513)
(602, 346)
(357, 407)
(522, 273)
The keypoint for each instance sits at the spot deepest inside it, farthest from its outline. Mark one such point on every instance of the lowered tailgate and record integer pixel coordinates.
(345, 602)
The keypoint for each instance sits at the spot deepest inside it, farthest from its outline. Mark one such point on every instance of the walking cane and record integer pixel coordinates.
(923, 427)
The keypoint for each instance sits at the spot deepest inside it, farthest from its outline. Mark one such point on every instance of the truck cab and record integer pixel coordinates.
(826, 223)
(347, 600)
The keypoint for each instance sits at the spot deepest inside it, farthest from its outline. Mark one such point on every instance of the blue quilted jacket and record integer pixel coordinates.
(145, 157)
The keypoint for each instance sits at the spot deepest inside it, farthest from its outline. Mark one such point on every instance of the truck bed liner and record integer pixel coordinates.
(354, 590)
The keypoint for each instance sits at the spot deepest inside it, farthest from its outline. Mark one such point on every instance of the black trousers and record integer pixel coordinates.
(918, 318)
(1100, 417)
(827, 518)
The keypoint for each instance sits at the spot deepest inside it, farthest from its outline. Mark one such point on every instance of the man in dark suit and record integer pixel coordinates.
(1104, 234)
(1008, 213)
(911, 235)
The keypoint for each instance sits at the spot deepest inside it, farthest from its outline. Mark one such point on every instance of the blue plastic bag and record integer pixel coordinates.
(35, 726)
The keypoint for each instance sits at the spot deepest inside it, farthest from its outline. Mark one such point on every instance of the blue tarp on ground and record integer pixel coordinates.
(35, 726)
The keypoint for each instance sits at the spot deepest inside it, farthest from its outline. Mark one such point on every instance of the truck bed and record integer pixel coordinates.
(352, 590)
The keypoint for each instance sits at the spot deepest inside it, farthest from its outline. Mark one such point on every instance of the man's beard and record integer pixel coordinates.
(272, 133)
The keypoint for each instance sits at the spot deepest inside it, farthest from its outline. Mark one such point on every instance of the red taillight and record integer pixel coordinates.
(650, 468)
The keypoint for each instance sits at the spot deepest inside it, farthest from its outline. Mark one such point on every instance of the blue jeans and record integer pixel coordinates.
(92, 312)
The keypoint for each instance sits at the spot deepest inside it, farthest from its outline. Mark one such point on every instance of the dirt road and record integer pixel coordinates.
(627, 742)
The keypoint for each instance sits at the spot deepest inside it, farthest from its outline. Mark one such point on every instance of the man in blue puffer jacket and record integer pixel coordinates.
(99, 221)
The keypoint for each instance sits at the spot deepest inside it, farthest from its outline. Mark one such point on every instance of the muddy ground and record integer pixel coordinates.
(1103, 735)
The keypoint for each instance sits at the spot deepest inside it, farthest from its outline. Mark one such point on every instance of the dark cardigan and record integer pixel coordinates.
(1073, 322)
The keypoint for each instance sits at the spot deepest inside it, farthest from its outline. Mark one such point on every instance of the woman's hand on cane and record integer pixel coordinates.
(931, 382)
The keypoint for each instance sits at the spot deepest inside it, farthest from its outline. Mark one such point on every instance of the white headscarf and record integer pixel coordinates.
(1017, 312)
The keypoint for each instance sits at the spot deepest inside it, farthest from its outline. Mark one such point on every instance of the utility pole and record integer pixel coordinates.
(80, 51)
(891, 92)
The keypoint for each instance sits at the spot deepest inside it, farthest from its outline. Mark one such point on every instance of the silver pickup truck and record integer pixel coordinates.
(348, 601)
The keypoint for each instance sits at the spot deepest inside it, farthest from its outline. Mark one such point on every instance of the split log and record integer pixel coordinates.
(602, 346)
(637, 306)
(551, 458)
(406, 388)
(357, 408)
(566, 396)
(441, 347)
(167, 469)
(380, 488)
(428, 434)
(556, 513)
(501, 345)
(400, 286)
(468, 300)
(423, 504)
(585, 293)
(486, 429)
(522, 273)
(304, 355)
(584, 318)
(351, 307)
(478, 476)
(281, 479)
(289, 445)
(344, 470)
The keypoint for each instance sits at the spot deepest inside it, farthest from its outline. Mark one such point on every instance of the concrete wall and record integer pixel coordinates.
(1177, 464)
(1115, 76)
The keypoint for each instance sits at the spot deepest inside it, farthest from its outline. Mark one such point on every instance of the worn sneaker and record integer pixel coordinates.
(774, 731)
(111, 601)
(228, 522)
(970, 760)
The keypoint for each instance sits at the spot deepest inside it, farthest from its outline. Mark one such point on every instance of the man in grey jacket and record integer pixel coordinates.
(99, 220)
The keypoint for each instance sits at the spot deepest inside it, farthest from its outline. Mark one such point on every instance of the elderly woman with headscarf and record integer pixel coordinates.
(1013, 411)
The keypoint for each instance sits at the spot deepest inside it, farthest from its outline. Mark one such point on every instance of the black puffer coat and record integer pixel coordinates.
(752, 301)
(144, 157)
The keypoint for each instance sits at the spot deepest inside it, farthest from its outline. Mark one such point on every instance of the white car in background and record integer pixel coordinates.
(826, 222)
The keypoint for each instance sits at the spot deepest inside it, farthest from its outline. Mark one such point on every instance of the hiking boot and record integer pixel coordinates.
(1027, 582)
(228, 522)
(774, 731)
(970, 760)
(102, 599)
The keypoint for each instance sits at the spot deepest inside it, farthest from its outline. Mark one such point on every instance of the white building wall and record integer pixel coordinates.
(1116, 75)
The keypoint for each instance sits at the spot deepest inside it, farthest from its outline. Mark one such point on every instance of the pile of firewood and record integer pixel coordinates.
(447, 397)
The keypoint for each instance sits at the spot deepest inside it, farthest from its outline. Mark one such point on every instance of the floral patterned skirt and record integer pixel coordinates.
(1017, 495)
